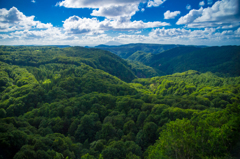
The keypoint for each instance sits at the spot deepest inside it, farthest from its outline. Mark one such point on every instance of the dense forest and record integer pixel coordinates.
(124, 51)
(87, 103)
(169, 59)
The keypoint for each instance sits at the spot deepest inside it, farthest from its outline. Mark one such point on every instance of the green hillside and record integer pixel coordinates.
(124, 51)
(96, 58)
(67, 104)
(141, 70)
(224, 60)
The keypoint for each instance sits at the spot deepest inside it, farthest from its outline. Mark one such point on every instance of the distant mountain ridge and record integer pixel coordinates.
(169, 59)
(124, 51)
(224, 60)
(113, 43)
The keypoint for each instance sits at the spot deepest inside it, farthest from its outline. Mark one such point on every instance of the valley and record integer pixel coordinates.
(119, 102)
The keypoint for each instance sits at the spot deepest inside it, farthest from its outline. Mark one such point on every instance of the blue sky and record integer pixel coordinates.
(93, 22)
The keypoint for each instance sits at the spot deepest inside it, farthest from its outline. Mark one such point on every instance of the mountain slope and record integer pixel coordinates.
(141, 70)
(124, 51)
(96, 58)
(53, 104)
(224, 60)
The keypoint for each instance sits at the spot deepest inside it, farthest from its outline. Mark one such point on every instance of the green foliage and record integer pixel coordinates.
(61, 103)
(169, 59)
(124, 51)
(141, 70)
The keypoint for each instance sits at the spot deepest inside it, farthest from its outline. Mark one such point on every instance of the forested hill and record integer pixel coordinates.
(96, 58)
(169, 59)
(224, 60)
(124, 51)
(67, 104)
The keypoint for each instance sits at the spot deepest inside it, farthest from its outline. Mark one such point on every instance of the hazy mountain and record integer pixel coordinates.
(112, 43)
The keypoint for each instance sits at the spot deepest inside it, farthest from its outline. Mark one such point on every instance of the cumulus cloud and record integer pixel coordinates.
(233, 25)
(181, 33)
(50, 34)
(156, 33)
(33, 1)
(202, 3)
(13, 19)
(110, 8)
(95, 3)
(190, 17)
(155, 3)
(209, 36)
(77, 25)
(106, 8)
(237, 31)
(116, 11)
(223, 12)
(188, 7)
(171, 15)
(106, 3)
(20, 28)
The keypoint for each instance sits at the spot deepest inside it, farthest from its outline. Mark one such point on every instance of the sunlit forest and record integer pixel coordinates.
(127, 102)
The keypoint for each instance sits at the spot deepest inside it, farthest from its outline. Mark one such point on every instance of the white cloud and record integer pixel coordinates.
(49, 34)
(155, 3)
(202, 3)
(33, 1)
(142, 9)
(13, 19)
(111, 8)
(233, 25)
(95, 3)
(210, 2)
(171, 15)
(177, 33)
(222, 13)
(156, 33)
(190, 17)
(20, 28)
(237, 31)
(207, 36)
(53, 36)
(106, 8)
(188, 7)
(77, 25)
(24, 30)
(116, 11)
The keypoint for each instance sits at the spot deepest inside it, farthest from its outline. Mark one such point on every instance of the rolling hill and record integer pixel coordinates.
(96, 58)
(62, 103)
(224, 60)
(124, 51)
